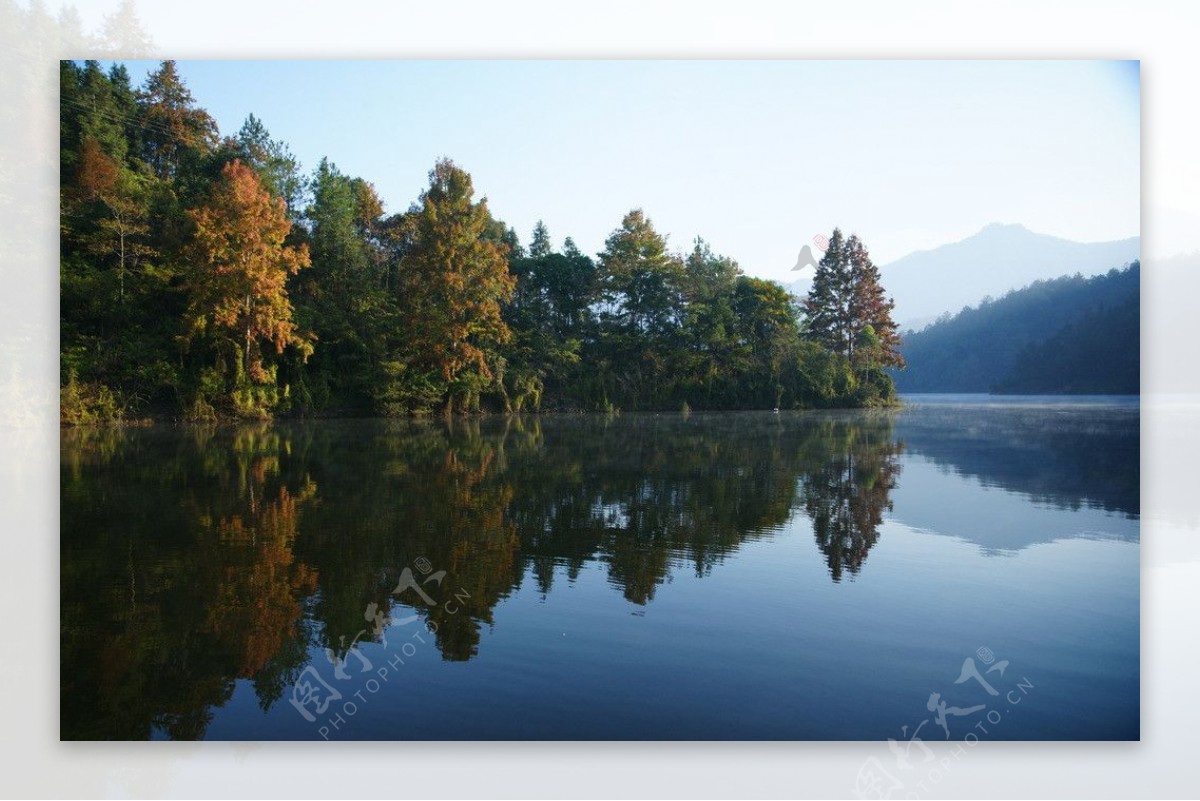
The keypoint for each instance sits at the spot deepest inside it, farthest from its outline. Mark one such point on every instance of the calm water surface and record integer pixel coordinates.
(808, 575)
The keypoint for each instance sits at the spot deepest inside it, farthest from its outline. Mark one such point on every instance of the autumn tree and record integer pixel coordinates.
(453, 278)
(237, 282)
(871, 311)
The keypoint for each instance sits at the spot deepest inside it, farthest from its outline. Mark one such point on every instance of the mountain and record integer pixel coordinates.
(929, 283)
(999, 258)
(1067, 335)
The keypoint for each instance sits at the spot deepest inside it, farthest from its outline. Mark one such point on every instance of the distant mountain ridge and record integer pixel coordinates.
(994, 261)
(1067, 335)
(999, 258)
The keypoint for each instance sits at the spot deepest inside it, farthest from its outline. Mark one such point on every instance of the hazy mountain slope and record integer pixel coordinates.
(1096, 354)
(994, 261)
(1083, 329)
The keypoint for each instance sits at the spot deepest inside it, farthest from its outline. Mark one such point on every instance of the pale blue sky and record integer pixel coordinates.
(756, 157)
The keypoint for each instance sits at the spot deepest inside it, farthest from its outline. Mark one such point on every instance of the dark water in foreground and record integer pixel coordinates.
(835, 575)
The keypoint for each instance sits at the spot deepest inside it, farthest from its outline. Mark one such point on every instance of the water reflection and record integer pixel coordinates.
(167, 597)
(195, 559)
(1066, 454)
(847, 494)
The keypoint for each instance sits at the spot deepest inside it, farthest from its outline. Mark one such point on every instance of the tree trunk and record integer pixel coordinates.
(121, 271)
(246, 348)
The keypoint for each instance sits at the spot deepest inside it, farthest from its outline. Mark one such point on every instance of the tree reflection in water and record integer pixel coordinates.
(194, 559)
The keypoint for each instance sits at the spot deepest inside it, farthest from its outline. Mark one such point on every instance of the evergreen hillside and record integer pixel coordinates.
(1066, 335)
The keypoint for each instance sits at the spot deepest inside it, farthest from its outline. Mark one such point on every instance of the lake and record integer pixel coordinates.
(966, 566)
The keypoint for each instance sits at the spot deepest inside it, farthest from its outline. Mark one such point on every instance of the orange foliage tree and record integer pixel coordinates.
(237, 281)
(454, 279)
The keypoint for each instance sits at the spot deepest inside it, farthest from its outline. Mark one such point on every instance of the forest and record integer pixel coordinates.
(1069, 335)
(209, 277)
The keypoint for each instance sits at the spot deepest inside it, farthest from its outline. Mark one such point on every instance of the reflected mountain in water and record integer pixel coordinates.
(1070, 456)
(1076, 462)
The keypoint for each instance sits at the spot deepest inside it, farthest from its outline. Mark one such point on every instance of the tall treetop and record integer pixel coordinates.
(172, 124)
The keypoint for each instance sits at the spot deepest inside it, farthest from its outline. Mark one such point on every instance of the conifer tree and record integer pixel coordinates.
(540, 245)
(846, 298)
(453, 279)
(827, 306)
(172, 125)
(870, 309)
(236, 286)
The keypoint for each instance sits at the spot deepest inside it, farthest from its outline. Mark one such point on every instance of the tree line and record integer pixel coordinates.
(209, 277)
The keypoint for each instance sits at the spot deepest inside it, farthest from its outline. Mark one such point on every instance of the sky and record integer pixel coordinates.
(756, 157)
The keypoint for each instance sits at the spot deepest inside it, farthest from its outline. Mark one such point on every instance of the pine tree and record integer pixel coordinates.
(172, 125)
(540, 245)
(846, 298)
(272, 159)
(827, 306)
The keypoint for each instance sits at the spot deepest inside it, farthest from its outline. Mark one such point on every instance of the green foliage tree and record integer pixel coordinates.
(120, 199)
(640, 280)
(547, 317)
(767, 329)
(827, 307)
(95, 107)
(540, 245)
(641, 304)
(342, 299)
(272, 159)
(710, 319)
(120, 313)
